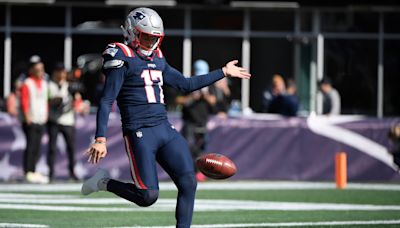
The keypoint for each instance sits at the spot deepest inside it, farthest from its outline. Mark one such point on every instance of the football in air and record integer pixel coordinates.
(216, 166)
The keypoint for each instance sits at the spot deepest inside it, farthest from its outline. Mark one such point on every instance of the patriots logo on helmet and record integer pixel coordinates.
(138, 16)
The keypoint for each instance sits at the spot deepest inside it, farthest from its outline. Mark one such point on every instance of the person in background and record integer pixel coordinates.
(281, 99)
(13, 105)
(394, 138)
(76, 88)
(34, 106)
(292, 101)
(61, 119)
(196, 109)
(277, 87)
(25, 74)
(331, 98)
(222, 94)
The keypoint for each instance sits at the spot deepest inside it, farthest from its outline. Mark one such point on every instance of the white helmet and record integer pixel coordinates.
(144, 30)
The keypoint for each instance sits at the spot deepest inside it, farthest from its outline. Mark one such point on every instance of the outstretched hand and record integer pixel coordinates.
(231, 70)
(96, 152)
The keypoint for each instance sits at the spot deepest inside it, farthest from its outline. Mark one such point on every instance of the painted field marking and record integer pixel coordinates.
(220, 185)
(34, 196)
(22, 225)
(51, 203)
(325, 127)
(282, 224)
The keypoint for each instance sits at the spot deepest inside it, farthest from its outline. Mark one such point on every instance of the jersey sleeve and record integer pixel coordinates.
(113, 56)
(174, 78)
(112, 86)
(115, 74)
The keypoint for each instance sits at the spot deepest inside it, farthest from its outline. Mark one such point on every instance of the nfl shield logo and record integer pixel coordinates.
(139, 134)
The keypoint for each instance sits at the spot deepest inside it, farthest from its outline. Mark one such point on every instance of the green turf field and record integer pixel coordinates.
(225, 204)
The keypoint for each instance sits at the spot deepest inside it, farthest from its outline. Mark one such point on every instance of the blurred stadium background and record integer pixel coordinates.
(286, 167)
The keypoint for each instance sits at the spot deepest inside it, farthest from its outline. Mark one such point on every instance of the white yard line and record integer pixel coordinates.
(113, 204)
(22, 225)
(69, 208)
(282, 224)
(212, 185)
(233, 225)
(35, 196)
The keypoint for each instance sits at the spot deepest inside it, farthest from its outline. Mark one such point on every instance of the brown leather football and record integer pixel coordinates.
(216, 166)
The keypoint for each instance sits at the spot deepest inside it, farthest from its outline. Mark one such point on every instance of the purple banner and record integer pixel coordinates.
(263, 148)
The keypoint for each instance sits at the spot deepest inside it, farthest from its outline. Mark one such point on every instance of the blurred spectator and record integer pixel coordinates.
(291, 99)
(170, 95)
(331, 98)
(34, 106)
(24, 75)
(76, 88)
(394, 137)
(196, 108)
(278, 87)
(222, 95)
(91, 77)
(61, 119)
(13, 101)
(281, 100)
(74, 81)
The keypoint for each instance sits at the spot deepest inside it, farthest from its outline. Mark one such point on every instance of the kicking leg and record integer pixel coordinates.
(102, 181)
(141, 152)
(128, 191)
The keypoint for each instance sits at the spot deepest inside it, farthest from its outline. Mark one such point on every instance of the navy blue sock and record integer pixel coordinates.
(141, 197)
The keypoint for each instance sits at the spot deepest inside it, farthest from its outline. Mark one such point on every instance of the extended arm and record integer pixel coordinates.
(175, 79)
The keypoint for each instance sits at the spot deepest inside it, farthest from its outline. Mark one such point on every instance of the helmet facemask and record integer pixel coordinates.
(147, 43)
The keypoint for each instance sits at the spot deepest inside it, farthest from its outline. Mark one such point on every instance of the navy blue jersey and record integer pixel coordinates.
(136, 83)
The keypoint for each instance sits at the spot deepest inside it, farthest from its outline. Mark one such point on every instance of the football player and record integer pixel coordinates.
(135, 73)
